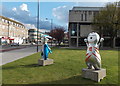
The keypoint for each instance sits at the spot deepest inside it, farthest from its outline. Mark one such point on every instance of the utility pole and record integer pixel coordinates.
(51, 29)
(37, 24)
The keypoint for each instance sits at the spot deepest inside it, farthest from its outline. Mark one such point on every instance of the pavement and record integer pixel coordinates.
(5, 48)
(14, 53)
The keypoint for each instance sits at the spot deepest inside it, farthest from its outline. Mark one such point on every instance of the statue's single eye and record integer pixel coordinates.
(90, 37)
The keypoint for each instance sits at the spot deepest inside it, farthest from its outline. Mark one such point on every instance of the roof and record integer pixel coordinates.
(87, 8)
(11, 20)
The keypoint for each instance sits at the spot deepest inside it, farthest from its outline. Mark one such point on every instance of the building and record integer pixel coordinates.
(11, 29)
(33, 35)
(80, 25)
(80, 20)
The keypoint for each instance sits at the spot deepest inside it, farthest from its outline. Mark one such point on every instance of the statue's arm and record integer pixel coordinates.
(48, 48)
(101, 40)
(86, 41)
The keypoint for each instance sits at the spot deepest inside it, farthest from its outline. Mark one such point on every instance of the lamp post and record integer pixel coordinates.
(8, 28)
(8, 32)
(37, 23)
(51, 26)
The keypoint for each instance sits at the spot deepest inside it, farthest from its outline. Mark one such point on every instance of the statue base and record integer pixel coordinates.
(93, 74)
(43, 62)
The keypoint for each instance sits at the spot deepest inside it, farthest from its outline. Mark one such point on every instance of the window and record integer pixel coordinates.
(6, 21)
(74, 29)
(85, 16)
(9, 22)
(95, 13)
(90, 12)
(81, 17)
(2, 20)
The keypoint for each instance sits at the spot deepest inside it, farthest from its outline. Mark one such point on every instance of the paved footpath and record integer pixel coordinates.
(6, 57)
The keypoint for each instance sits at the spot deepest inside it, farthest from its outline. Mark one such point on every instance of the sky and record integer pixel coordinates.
(26, 12)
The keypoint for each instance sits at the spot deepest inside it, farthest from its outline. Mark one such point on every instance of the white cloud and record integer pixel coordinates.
(30, 26)
(14, 9)
(61, 13)
(24, 7)
(44, 30)
(22, 14)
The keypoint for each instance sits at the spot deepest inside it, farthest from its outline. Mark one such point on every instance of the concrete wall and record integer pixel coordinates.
(79, 16)
(85, 30)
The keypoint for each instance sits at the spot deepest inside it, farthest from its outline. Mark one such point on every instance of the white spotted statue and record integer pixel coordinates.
(93, 58)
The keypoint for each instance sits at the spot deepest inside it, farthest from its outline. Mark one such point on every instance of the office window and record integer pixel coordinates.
(95, 13)
(81, 17)
(79, 30)
(90, 12)
(85, 16)
(73, 29)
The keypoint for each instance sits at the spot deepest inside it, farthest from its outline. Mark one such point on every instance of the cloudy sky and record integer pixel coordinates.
(26, 12)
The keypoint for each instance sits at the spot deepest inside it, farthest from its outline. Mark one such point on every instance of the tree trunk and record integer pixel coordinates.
(55, 43)
(58, 43)
(112, 42)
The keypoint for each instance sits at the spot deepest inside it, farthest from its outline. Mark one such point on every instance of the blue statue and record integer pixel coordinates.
(45, 48)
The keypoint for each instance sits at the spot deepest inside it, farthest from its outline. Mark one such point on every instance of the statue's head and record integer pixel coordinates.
(93, 37)
(44, 40)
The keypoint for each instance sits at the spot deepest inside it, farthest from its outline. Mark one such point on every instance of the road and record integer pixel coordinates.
(9, 56)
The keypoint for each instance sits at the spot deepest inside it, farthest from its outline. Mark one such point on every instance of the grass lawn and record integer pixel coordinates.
(66, 69)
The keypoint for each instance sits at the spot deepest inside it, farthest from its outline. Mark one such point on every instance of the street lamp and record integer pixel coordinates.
(37, 24)
(51, 26)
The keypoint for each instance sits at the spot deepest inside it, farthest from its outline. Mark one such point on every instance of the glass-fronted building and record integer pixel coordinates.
(80, 25)
(80, 20)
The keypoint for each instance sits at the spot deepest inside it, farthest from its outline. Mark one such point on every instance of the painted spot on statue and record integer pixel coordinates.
(90, 48)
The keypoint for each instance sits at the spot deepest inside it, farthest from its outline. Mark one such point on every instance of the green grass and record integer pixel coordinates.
(66, 69)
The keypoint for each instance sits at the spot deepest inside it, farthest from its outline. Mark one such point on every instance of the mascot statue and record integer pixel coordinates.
(45, 48)
(93, 58)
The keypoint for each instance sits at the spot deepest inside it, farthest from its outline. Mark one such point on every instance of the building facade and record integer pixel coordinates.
(80, 20)
(11, 29)
(80, 25)
(33, 35)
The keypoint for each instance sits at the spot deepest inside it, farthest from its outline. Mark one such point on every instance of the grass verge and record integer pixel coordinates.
(66, 69)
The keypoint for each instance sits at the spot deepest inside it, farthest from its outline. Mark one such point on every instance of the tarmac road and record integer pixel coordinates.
(6, 57)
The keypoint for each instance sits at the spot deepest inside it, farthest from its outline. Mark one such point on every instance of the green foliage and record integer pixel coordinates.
(108, 20)
(66, 69)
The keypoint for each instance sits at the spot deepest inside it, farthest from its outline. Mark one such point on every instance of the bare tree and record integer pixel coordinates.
(58, 34)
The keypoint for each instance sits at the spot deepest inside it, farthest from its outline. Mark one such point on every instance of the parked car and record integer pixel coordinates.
(32, 43)
(14, 44)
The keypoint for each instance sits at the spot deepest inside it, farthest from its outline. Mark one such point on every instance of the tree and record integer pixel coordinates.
(58, 34)
(108, 21)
